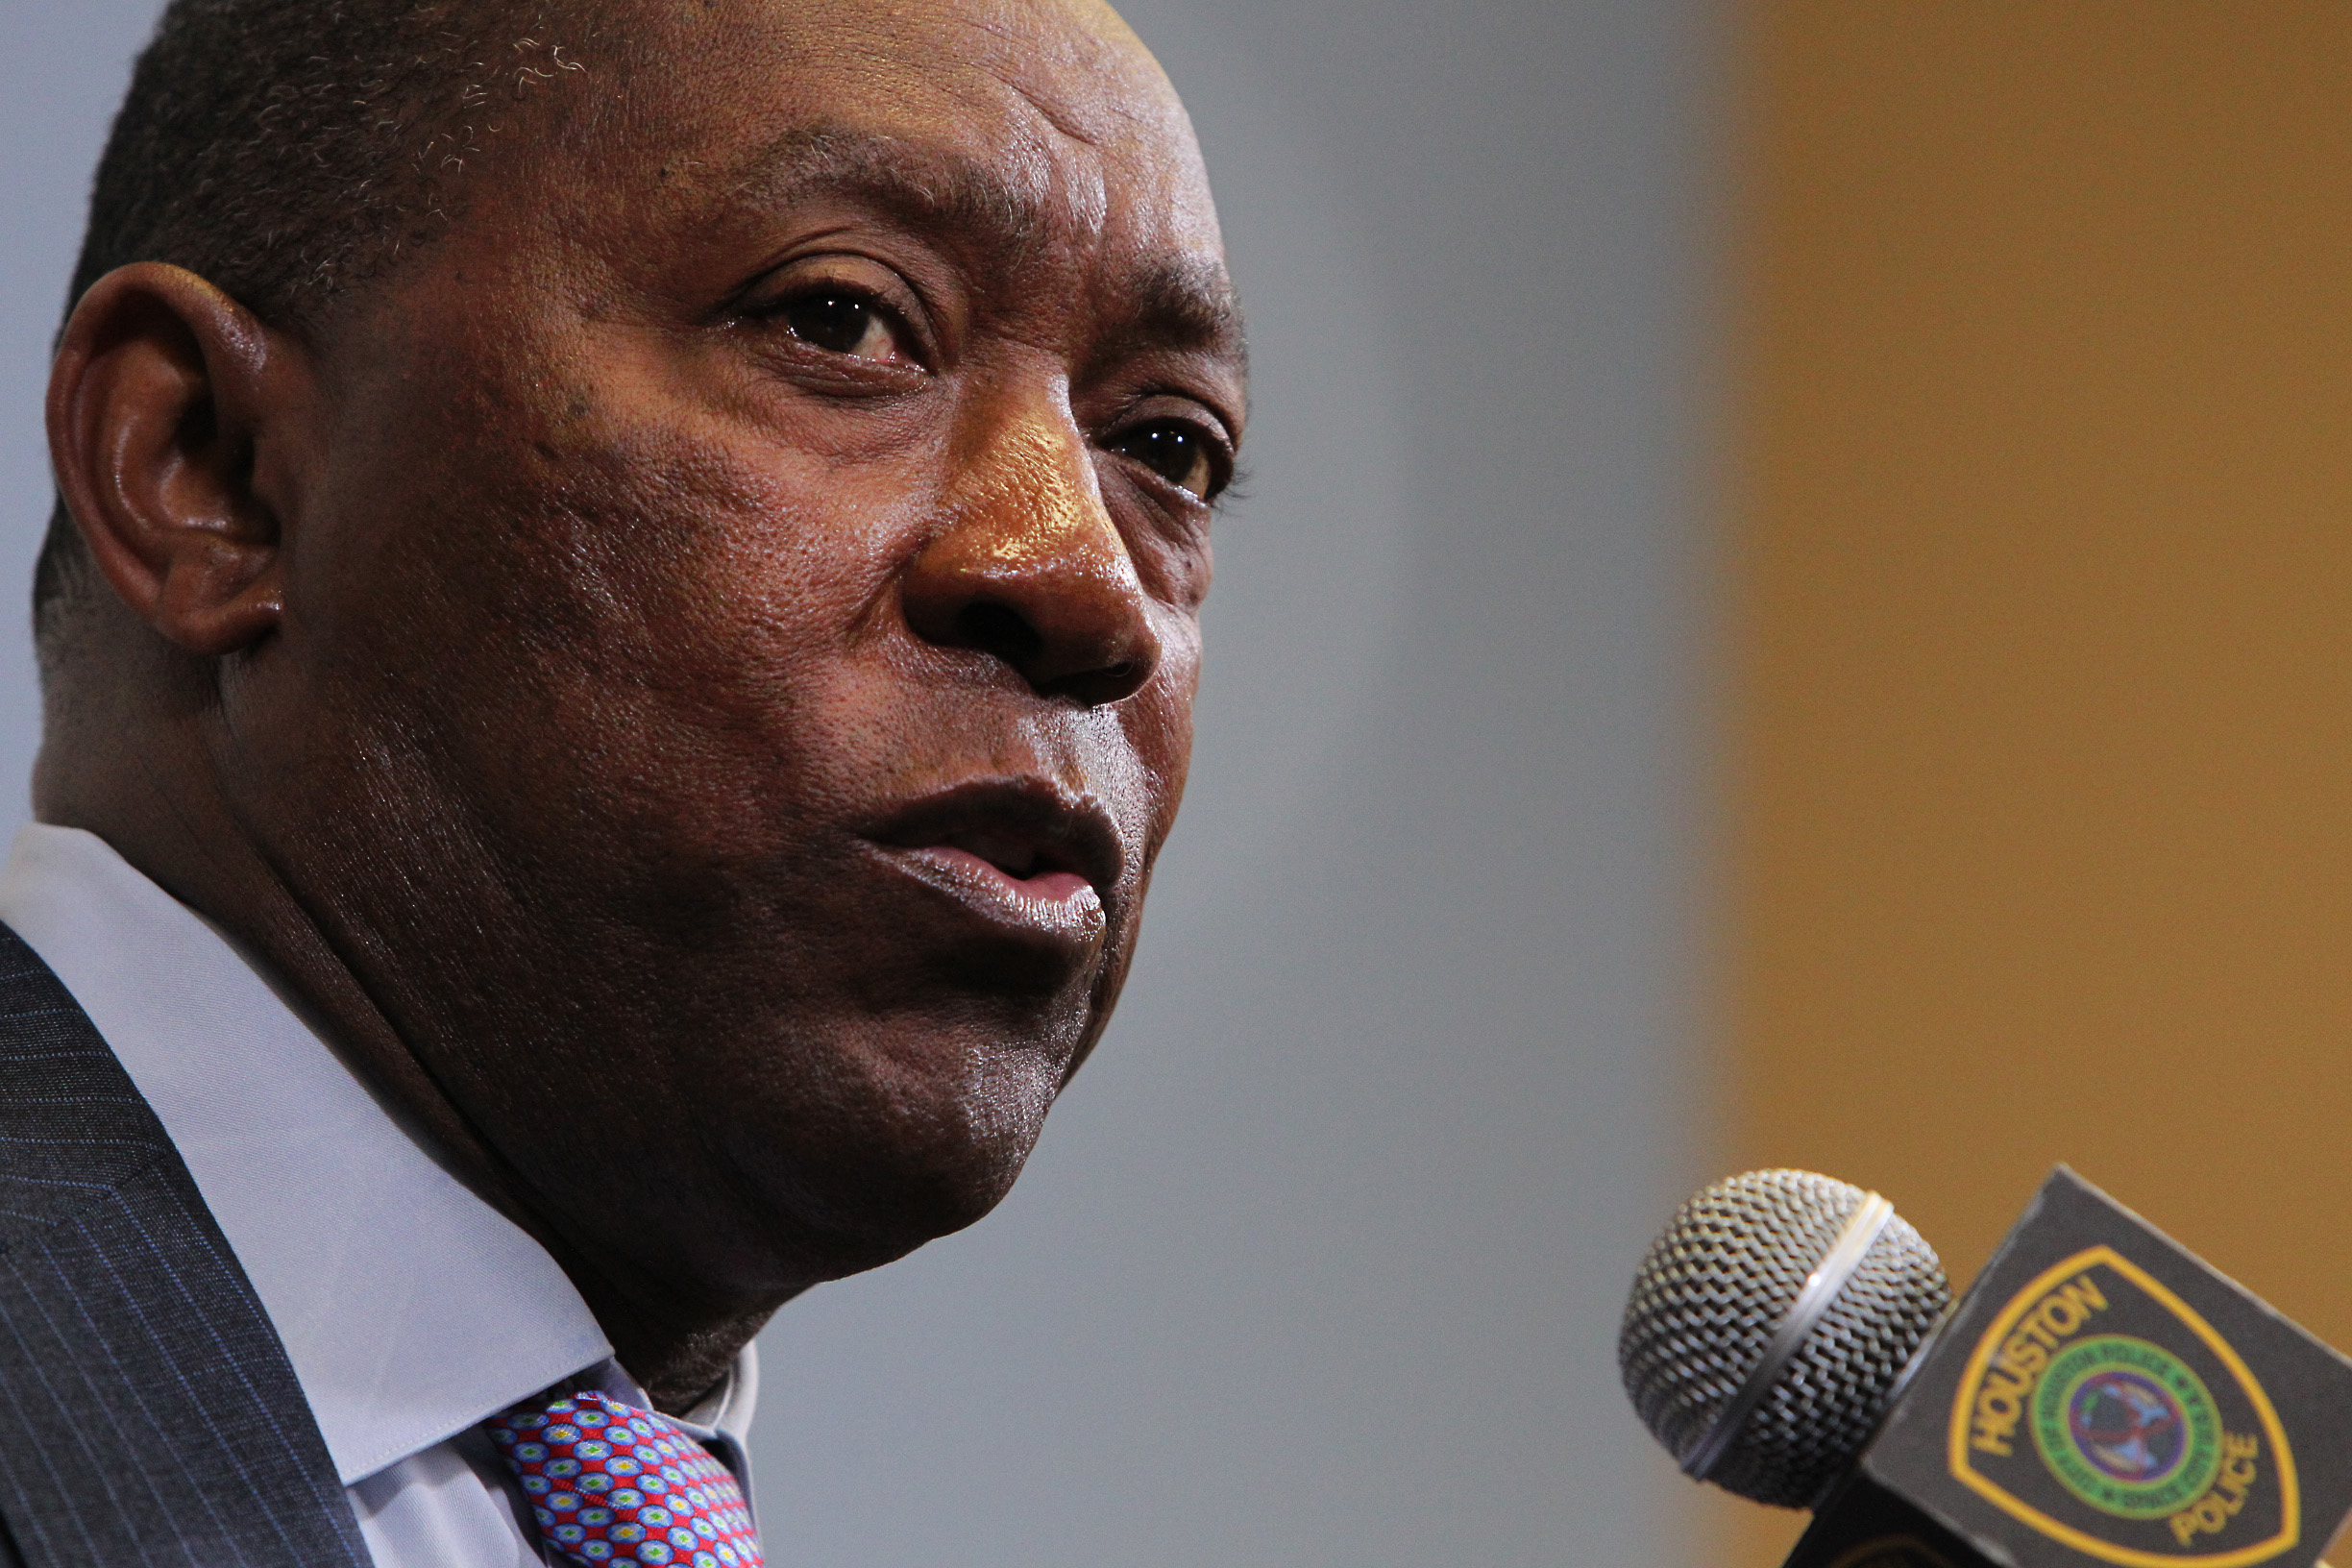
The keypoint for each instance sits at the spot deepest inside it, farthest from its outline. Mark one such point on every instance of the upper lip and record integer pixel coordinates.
(1022, 827)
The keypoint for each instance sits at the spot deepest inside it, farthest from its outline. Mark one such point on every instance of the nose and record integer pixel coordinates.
(1032, 572)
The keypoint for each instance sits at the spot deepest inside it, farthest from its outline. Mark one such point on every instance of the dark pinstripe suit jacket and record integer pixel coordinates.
(148, 1413)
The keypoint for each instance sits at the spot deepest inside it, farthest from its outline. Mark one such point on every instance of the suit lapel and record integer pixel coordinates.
(148, 1413)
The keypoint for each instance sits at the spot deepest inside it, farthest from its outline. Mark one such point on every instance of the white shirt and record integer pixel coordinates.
(410, 1309)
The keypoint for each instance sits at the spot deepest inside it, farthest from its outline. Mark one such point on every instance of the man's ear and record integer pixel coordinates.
(157, 400)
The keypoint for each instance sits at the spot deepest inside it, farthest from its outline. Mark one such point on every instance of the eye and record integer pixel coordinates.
(840, 322)
(1175, 451)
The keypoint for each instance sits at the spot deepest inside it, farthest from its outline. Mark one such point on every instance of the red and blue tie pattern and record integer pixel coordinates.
(614, 1486)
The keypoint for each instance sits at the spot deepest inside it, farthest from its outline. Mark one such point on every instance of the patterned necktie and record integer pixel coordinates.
(614, 1486)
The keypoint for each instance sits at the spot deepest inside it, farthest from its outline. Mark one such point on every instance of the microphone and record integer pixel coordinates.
(2099, 1396)
(1744, 1351)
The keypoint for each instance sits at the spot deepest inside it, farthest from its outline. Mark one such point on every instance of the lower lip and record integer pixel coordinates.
(1056, 904)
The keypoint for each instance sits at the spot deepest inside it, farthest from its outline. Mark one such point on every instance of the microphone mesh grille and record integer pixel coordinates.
(1719, 1282)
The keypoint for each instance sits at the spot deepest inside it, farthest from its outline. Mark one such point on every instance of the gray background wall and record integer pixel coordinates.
(1320, 1260)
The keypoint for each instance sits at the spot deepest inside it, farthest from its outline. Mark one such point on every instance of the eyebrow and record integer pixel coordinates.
(1184, 302)
(1192, 303)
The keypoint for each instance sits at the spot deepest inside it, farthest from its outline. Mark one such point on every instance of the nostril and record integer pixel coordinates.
(1114, 681)
(1000, 631)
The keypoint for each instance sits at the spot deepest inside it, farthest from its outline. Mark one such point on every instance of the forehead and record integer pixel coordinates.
(1031, 111)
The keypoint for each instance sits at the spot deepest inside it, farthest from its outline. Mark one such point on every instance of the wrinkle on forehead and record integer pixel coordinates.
(1092, 44)
(1060, 93)
(925, 184)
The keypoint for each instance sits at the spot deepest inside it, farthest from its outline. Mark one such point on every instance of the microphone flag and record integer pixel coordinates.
(2100, 1396)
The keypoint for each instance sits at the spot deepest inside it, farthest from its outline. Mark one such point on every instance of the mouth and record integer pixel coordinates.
(1021, 852)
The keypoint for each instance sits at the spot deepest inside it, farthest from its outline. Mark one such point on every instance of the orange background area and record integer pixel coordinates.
(2039, 787)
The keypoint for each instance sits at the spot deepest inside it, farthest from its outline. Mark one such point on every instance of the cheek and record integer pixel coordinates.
(1157, 723)
(1174, 563)
(628, 625)
(713, 675)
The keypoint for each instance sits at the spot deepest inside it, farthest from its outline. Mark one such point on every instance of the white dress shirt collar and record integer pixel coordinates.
(410, 1309)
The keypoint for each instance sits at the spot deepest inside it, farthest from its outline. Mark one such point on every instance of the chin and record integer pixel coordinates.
(913, 1153)
(837, 1222)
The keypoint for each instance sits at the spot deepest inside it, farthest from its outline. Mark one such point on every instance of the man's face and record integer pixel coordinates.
(741, 617)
